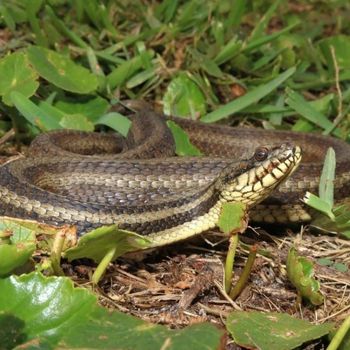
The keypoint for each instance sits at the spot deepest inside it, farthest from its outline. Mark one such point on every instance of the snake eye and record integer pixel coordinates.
(261, 154)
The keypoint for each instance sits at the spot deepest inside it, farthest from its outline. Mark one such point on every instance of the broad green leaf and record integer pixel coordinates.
(300, 272)
(232, 217)
(97, 243)
(18, 240)
(340, 223)
(248, 99)
(52, 314)
(76, 122)
(183, 97)
(92, 109)
(34, 114)
(115, 121)
(272, 330)
(61, 71)
(326, 185)
(17, 75)
(17, 244)
(341, 45)
(318, 204)
(51, 110)
(183, 145)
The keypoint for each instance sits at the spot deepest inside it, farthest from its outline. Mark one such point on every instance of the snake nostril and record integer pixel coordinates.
(261, 153)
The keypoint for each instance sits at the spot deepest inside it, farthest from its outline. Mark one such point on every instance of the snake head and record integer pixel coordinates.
(254, 179)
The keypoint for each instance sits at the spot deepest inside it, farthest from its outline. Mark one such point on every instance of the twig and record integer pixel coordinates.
(337, 85)
(8, 135)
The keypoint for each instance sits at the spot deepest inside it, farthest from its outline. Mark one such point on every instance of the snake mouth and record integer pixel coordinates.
(260, 177)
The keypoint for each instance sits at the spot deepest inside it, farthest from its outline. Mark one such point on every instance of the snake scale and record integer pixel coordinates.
(94, 179)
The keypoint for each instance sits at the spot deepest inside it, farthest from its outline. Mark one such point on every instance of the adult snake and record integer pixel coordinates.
(91, 179)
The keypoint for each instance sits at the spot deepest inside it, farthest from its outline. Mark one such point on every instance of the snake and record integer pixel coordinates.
(91, 179)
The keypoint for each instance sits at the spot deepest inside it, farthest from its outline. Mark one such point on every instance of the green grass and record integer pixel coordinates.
(194, 58)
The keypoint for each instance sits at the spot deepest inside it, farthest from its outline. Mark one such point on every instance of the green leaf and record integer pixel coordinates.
(115, 121)
(340, 223)
(306, 110)
(300, 272)
(183, 97)
(340, 267)
(76, 122)
(248, 99)
(205, 63)
(61, 71)
(92, 109)
(16, 75)
(326, 185)
(318, 204)
(8, 19)
(325, 262)
(232, 217)
(260, 27)
(228, 51)
(17, 244)
(141, 77)
(250, 330)
(52, 314)
(341, 45)
(260, 41)
(183, 145)
(97, 243)
(34, 114)
(124, 71)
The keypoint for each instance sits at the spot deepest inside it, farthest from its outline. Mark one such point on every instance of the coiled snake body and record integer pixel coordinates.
(91, 179)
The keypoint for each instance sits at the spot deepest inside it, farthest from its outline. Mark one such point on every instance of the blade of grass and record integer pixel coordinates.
(298, 103)
(254, 44)
(326, 186)
(124, 71)
(248, 99)
(235, 15)
(227, 52)
(264, 21)
(62, 28)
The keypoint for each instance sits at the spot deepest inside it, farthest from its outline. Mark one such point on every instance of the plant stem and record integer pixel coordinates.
(341, 333)
(230, 258)
(245, 274)
(56, 251)
(102, 266)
